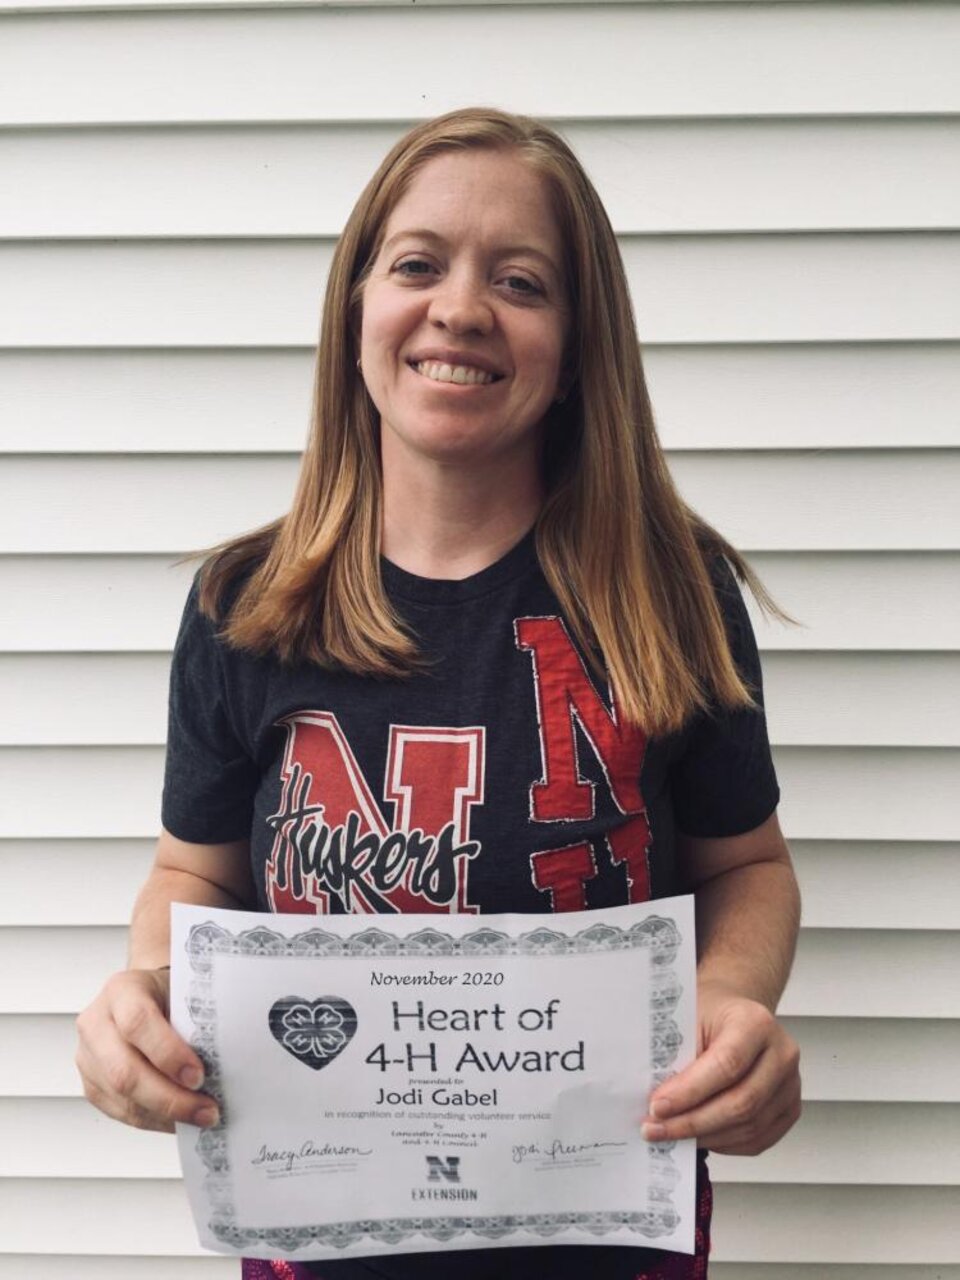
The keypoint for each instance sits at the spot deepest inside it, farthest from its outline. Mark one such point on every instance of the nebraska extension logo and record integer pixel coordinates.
(441, 1172)
(333, 842)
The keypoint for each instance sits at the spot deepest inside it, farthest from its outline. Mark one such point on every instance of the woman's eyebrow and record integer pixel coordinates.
(423, 233)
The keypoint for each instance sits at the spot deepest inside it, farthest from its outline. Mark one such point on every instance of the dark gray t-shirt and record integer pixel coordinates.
(501, 779)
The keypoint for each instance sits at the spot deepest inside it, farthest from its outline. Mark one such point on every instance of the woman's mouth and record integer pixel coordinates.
(460, 376)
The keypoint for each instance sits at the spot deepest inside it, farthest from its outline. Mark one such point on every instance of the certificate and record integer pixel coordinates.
(417, 1083)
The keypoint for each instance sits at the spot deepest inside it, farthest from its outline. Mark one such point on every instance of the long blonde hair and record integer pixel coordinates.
(628, 560)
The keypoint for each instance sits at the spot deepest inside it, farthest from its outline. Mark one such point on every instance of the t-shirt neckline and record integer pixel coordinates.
(410, 586)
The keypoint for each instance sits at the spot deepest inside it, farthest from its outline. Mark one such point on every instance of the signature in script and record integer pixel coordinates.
(557, 1150)
(290, 1159)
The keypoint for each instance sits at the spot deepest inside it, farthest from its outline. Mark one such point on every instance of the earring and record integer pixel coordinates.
(358, 365)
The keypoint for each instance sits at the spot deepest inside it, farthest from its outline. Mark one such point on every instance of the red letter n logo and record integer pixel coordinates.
(334, 846)
(565, 695)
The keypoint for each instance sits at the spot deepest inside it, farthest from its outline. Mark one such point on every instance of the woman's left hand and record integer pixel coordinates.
(742, 1093)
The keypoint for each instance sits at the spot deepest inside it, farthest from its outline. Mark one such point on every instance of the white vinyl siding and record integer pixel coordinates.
(739, 287)
(763, 500)
(809, 395)
(784, 181)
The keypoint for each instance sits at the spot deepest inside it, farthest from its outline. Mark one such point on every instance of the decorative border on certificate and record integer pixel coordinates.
(659, 934)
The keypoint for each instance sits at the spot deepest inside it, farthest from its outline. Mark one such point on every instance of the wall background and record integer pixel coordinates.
(785, 181)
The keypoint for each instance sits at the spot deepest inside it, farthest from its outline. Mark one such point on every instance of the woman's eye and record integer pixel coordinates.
(518, 284)
(411, 262)
(529, 286)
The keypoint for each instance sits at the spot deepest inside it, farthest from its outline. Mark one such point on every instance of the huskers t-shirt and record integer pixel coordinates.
(501, 778)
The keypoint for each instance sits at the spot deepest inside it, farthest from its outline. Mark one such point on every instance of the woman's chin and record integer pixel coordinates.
(455, 443)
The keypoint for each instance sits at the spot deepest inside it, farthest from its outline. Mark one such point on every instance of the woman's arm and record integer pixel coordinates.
(133, 1064)
(742, 1093)
(209, 875)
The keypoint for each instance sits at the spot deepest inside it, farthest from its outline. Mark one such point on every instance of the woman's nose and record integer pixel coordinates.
(459, 304)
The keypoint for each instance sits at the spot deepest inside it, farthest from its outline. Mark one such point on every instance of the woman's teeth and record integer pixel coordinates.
(460, 373)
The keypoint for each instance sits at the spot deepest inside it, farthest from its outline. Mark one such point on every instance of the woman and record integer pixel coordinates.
(488, 581)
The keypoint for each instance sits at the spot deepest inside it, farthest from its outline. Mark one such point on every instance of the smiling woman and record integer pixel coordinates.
(489, 661)
(463, 358)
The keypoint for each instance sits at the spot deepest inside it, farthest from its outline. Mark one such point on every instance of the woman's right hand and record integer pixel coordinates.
(134, 1066)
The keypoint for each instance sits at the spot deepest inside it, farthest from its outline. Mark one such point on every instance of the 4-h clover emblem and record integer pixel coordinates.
(313, 1031)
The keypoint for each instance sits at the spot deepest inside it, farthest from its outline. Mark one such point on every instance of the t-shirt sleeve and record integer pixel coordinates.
(209, 778)
(723, 781)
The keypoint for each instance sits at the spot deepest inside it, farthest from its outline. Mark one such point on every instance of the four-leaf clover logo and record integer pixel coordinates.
(313, 1031)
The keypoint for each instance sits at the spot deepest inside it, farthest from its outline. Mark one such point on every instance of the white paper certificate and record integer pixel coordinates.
(423, 1082)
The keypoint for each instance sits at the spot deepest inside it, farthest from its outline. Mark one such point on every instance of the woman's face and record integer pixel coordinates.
(470, 273)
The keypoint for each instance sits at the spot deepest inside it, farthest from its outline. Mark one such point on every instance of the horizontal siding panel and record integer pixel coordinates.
(71, 882)
(830, 1225)
(874, 975)
(90, 1146)
(874, 885)
(653, 176)
(123, 6)
(883, 700)
(66, 1217)
(143, 505)
(814, 396)
(95, 603)
(57, 970)
(857, 1143)
(877, 1059)
(88, 699)
(36, 1056)
(16, 1267)
(737, 288)
(861, 602)
(837, 1143)
(822, 287)
(846, 601)
(842, 1059)
(871, 974)
(841, 501)
(631, 61)
(891, 1225)
(868, 794)
(838, 793)
(170, 401)
(763, 501)
(857, 885)
(819, 396)
(860, 699)
(101, 792)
